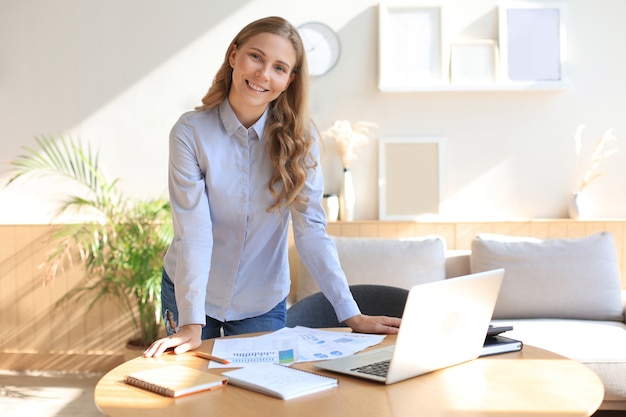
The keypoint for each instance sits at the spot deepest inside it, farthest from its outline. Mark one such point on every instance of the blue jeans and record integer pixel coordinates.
(275, 319)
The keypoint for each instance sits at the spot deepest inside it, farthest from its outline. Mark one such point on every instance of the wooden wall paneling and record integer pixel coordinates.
(449, 232)
(465, 232)
(500, 228)
(25, 326)
(444, 229)
(407, 230)
(558, 229)
(577, 229)
(345, 229)
(69, 316)
(372, 229)
(90, 329)
(39, 334)
(410, 230)
(596, 227)
(350, 230)
(60, 315)
(540, 230)
(521, 228)
(8, 286)
(333, 228)
(375, 230)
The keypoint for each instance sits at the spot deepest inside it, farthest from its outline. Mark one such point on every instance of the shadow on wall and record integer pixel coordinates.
(37, 331)
(81, 39)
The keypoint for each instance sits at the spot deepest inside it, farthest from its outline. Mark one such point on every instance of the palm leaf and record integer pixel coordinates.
(63, 158)
(121, 249)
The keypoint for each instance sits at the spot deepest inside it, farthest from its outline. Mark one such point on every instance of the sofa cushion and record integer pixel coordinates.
(394, 262)
(553, 278)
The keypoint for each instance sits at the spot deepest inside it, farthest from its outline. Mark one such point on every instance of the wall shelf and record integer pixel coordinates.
(420, 51)
(535, 86)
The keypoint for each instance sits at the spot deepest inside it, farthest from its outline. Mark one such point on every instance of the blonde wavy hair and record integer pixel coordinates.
(289, 129)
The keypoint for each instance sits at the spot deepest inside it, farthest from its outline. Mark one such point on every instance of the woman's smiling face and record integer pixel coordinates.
(262, 70)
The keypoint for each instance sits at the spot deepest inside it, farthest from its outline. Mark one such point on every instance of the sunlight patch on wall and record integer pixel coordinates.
(475, 200)
(131, 130)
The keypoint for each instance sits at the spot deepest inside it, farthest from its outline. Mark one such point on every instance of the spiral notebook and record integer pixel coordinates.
(175, 380)
(280, 381)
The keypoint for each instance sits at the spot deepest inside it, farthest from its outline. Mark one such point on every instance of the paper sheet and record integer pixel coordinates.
(298, 344)
(251, 351)
(316, 344)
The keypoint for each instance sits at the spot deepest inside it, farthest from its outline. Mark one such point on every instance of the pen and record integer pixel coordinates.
(212, 358)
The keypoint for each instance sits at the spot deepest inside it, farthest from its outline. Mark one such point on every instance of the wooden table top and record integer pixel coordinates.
(531, 382)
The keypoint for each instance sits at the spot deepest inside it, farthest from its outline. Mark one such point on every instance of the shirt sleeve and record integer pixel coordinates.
(317, 251)
(192, 225)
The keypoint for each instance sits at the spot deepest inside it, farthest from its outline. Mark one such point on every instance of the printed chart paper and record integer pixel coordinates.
(289, 345)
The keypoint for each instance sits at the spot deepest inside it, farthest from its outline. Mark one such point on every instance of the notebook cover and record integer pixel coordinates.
(500, 344)
(175, 380)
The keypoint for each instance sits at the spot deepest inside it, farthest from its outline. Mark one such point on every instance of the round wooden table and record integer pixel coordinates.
(531, 382)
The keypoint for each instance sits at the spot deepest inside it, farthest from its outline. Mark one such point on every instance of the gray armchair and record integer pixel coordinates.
(315, 311)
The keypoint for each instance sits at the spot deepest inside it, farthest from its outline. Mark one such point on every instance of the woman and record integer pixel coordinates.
(241, 166)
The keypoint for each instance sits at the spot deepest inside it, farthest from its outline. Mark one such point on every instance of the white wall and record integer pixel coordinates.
(118, 73)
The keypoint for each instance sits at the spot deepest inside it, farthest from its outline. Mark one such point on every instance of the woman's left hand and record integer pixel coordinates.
(187, 338)
(374, 324)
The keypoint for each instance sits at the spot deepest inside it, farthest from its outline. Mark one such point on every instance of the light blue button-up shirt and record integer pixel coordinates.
(229, 258)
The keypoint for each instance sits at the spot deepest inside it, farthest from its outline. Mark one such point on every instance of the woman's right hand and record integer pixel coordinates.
(189, 337)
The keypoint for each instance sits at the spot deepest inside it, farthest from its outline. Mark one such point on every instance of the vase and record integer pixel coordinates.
(577, 206)
(331, 207)
(347, 198)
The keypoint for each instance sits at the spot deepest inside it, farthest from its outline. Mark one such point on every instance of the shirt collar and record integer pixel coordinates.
(232, 124)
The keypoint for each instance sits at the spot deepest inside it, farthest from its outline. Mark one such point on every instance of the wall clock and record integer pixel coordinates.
(322, 47)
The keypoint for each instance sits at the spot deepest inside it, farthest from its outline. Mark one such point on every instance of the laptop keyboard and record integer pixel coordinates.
(378, 368)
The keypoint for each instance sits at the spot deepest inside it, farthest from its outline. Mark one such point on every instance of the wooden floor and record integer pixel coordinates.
(48, 394)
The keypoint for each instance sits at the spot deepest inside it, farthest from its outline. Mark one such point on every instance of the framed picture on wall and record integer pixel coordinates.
(532, 41)
(409, 177)
(473, 62)
(410, 47)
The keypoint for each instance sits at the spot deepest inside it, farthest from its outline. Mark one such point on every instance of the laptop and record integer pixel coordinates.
(444, 323)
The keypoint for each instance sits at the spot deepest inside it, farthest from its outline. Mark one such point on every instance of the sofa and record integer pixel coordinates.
(562, 295)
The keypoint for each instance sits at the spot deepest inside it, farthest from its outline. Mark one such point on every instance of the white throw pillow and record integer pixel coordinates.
(553, 278)
(394, 262)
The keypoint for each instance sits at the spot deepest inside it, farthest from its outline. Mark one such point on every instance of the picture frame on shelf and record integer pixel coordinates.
(532, 42)
(409, 177)
(410, 47)
(473, 62)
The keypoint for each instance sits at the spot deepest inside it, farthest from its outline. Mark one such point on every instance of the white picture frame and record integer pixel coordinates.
(532, 42)
(409, 177)
(410, 47)
(473, 62)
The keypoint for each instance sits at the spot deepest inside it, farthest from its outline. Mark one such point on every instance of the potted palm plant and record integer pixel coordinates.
(121, 244)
